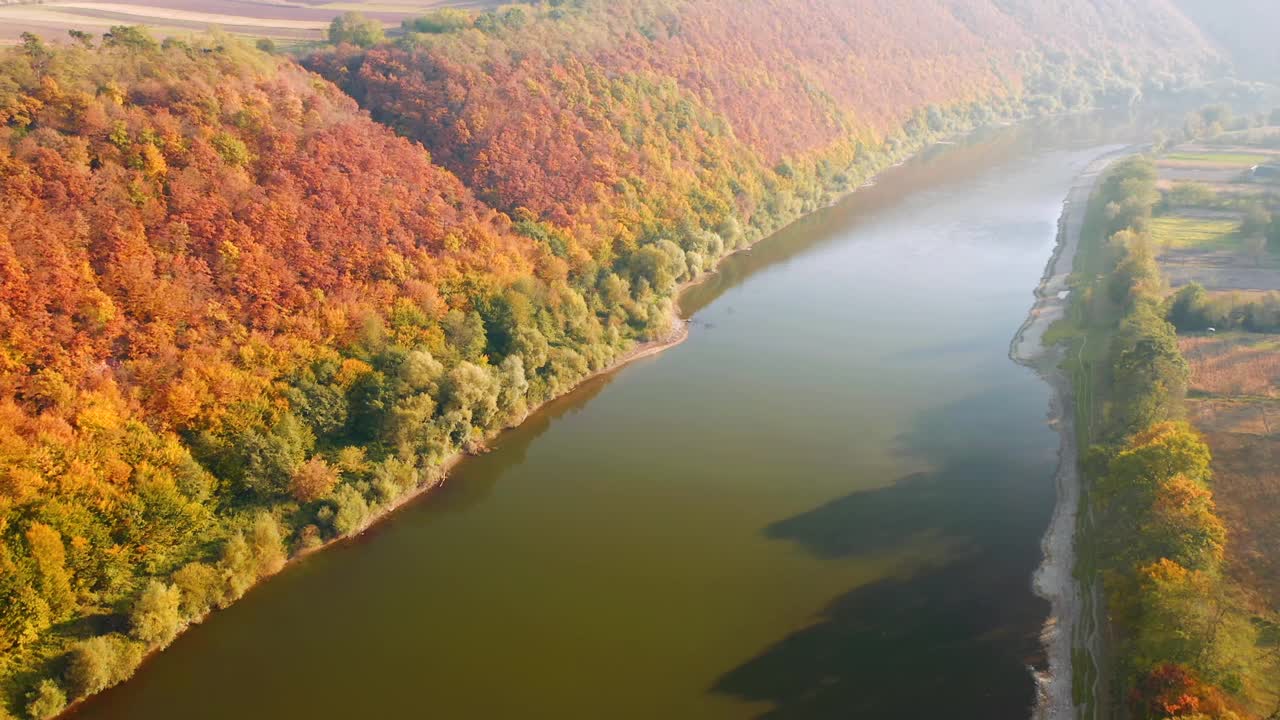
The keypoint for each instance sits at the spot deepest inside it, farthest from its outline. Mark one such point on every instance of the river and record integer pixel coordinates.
(827, 502)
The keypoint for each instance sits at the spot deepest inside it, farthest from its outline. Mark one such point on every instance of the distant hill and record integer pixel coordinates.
(1247, 31)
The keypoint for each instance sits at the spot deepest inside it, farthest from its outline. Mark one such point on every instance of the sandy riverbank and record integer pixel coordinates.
(1054, 580)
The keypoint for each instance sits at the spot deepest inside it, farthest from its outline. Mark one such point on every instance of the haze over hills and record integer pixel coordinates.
(240, 316)
(1244, 29)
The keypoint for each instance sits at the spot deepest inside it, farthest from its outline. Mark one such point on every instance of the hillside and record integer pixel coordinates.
(240, 317)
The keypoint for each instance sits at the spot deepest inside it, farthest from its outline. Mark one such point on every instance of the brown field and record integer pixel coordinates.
(1219, 271)
(1233, 364)
(1237, 380)
(284, 20)
(1245, 444)
(1208, 174)
(1226, 190)
(1235, 377)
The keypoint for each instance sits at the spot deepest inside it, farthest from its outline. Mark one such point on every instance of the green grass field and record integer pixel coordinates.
(1176, 232)
(1227, 159)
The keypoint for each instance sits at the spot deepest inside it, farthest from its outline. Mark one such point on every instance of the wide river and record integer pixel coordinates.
(827, 503)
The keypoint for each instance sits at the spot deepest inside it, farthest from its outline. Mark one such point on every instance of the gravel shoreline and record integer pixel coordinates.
(1054, 581)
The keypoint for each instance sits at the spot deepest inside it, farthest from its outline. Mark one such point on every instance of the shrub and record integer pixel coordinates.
(355, 29)
(267, 546)
(200, 588)
(313, 480)
(231, 148)
(100, 662)
(155, 617)
(349, 510)
(46, 701)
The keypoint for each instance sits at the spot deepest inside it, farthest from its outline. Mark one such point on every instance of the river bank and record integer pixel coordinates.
(1066, 627)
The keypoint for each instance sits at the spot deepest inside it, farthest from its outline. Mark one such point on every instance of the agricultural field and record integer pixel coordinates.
(1214, 228)
(1202, 235)
(1198, 231)
(1233, 365)
(1212, 159)
(285, 21)
(1228, 168)
(1235, 402)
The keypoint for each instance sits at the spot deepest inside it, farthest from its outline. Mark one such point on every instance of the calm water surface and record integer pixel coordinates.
(826, 503)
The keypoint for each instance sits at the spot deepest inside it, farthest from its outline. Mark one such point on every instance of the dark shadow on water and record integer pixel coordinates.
(950, 640)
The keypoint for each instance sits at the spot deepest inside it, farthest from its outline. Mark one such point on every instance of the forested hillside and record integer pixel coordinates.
(558, 110)
(239, 316)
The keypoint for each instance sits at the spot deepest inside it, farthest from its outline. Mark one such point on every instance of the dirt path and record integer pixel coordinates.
(1065, 628)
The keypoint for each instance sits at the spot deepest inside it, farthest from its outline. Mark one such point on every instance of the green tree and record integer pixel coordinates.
(201, 589)
(46, 701)
(23, 613)
(156, 616)
(411, 427)
(349, 511)
(355, 29)
(96, 664)
(1149, 374)
(1137, 276)
(238, 567)
(1187, 308)
(266, 545)
(420, 371)
(652, 268)
(445, 20)
(133, 37)
(466, 333)
(471, 393)
(1130, 194)
(263, 463)
(321, 406)
(231, 148)
(50, 559)
(81, 37)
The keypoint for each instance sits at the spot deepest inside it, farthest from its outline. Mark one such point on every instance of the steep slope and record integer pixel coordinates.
(239, 317)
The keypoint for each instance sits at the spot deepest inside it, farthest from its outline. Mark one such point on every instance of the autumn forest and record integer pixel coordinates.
(249, 301)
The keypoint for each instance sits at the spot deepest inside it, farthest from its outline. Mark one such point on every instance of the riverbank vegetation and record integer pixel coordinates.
(1183, 638)
(240, 317)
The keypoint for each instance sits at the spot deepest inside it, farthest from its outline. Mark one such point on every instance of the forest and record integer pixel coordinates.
(248, 302)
